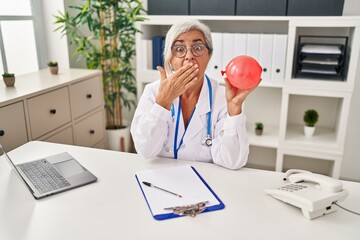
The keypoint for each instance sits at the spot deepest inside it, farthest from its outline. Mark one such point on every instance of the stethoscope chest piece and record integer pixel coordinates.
(207, 141)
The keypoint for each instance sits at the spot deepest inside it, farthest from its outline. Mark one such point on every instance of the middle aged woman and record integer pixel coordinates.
(187, 115)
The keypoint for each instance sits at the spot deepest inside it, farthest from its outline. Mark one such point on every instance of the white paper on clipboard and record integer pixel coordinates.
(182, 180)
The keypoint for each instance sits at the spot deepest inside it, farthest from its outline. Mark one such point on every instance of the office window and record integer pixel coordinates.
(15, 7)
(21, 46)
(16, 49)
(1, 65)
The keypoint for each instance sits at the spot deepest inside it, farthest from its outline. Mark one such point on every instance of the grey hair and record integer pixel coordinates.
(178, 29)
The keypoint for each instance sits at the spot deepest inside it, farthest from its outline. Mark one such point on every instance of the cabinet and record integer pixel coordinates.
(281, 103)
(13, 126)
(247, 7)
(65, 108)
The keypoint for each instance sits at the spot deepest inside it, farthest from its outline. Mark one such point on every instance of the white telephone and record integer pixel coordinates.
(313, 193)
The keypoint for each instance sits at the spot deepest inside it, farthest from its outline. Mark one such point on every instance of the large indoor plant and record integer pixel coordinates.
(104, 34)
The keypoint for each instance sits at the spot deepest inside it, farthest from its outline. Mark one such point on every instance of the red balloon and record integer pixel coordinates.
(243, 72)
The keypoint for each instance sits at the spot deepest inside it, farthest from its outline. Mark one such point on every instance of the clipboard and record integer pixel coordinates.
(184, 180)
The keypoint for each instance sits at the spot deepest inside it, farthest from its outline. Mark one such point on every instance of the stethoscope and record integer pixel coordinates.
(207, 141)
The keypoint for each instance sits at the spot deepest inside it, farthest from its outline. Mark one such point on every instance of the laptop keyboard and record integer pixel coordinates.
(44, 176)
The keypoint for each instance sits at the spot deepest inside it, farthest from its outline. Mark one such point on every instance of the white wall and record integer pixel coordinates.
(350, 169)
(351, 8)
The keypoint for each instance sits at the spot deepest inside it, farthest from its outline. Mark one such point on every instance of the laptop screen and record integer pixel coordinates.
(7, 157)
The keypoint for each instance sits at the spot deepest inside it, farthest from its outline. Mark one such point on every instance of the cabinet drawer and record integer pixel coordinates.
(65, 137)
(85, 96)
(49, 111)
(12, 126)
(90, 130)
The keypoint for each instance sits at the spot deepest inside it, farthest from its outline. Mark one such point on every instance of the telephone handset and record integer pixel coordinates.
(313, 193)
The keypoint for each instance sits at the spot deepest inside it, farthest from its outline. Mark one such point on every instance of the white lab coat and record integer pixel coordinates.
(153, 129)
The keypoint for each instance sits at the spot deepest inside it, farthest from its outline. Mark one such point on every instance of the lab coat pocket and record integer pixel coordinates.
(204, 153)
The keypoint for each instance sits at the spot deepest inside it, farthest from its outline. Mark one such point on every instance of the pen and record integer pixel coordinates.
(152, 185)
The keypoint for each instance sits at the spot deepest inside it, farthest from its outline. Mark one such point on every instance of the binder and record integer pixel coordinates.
(184, 180)
(215, 65)
(279, 56)
(228, 42)
(253, 45)
(266, 54)
(146, 54)
(240, 40)
(158, 48)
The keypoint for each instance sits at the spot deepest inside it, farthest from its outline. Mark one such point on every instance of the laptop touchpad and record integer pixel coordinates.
(69, 168)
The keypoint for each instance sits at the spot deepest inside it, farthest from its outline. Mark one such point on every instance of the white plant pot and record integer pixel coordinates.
(119, 139)
(309, 131)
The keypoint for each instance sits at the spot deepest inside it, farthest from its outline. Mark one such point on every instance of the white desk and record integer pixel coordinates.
(114, 208)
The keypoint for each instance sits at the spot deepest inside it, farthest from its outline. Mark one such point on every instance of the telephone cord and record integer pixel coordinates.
(346, 209)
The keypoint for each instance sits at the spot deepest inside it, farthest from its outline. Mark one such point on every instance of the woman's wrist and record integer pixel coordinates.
(233, 110)
(164, 104)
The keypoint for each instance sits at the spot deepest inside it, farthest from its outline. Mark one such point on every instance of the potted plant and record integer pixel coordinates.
(109, 45)
(9, 79)
(54, 68)
(311, 117)
(259, 128)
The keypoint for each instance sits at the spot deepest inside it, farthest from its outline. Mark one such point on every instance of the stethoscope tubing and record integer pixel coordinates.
(208, 140)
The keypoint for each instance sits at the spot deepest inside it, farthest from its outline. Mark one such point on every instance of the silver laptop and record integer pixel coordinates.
(51, 175)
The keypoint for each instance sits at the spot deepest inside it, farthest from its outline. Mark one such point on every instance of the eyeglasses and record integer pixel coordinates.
(197, 50)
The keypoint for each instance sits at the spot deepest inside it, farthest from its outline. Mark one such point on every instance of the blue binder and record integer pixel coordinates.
(158, 51)
(220, 205)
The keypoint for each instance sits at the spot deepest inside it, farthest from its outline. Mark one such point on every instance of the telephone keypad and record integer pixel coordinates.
(292, 187)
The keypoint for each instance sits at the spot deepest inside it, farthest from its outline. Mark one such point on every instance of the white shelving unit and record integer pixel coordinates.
(281, 105)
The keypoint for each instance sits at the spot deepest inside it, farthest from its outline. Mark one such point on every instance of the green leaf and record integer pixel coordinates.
(84, 30)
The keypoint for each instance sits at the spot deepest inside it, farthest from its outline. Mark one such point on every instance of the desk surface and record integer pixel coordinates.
(114, 208)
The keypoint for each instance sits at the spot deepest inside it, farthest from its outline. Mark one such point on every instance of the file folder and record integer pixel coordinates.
(253, 45)
(279, 56)
(266, 54)
(157, 51)
(183, 180)
(215, 65)
(240, 44)
(146, 54)
(228, 53)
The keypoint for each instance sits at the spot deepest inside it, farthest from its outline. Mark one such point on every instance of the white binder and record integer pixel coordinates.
(240, 40)
(228, 48)
(146, 54)
(266, 54)
(228, 42)
(253, 45)
(279, 55)
(215, 65)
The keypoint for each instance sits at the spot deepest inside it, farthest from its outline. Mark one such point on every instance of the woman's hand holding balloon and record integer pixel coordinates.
(235, 98)
(243, 75)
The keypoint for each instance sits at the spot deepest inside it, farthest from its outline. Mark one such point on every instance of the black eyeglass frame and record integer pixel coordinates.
(191, 49)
